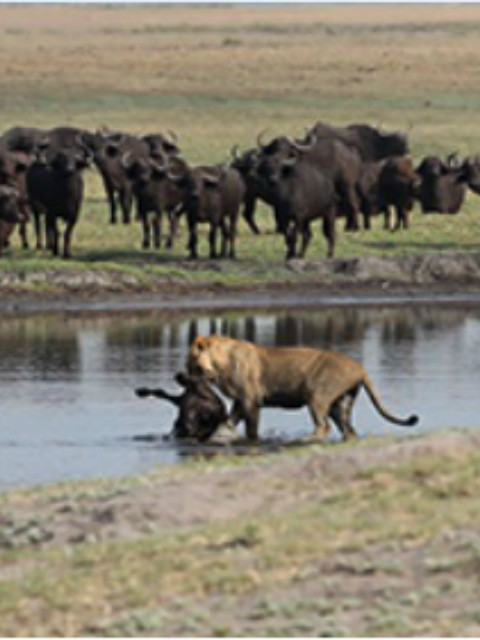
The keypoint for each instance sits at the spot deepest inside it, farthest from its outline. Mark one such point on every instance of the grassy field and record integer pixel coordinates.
(218, 76)
(371, 538)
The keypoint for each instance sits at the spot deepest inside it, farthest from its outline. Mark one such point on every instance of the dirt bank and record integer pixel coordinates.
(300, 282)
(377, 537)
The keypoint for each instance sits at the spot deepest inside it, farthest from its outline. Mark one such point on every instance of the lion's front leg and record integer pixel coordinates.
(240, 411)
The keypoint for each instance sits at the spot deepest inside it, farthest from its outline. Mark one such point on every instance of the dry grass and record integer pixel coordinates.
(219, 75)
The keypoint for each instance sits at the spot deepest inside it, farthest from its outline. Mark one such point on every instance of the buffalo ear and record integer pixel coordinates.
(21, 167)
(111, 150)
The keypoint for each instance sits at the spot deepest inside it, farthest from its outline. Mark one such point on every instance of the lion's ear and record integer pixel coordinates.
(201, 342)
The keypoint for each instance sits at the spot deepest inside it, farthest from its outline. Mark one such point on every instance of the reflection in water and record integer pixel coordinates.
(69, 411)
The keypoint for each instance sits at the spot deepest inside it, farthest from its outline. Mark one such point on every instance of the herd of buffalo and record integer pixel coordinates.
(333, 172)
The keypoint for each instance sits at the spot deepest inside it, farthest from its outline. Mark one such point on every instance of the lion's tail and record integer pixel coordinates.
(369, 388)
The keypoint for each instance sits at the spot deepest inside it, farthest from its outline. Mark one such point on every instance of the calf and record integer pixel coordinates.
(110, 149)
(212, 195)
(154, 194)
(10, 213)
(13, 167)
(201, 411)
(55, 188)
(388, 183)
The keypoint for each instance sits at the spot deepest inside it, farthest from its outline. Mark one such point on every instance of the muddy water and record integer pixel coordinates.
(68, 410)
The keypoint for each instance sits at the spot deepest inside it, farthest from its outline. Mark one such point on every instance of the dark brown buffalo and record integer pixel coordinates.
(211, 195)
(371, 143)
(443, 185)
(337, 162)
(246, 164)
(201, 411)
(108, 153)
(55, 189)
(303, 193)
(13, 167)
(385, 184)
(10, 213)
(24, 139)
(155, 195)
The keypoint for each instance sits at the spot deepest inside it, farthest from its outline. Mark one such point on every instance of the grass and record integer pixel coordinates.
(131, 586)
(217, 76)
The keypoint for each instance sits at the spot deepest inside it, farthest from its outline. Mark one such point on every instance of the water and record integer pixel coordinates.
(68, 410)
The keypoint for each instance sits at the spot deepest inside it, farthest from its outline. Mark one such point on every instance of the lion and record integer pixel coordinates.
(288, 377)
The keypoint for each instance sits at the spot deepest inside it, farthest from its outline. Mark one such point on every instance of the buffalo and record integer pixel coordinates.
(10, 213)
(443, 184)
(371, 143)
(154, 194)
(303, 193)
(337, 162)
(55, 188)
(388, 183)
(212, 195)
(201, 410)
(108, 153)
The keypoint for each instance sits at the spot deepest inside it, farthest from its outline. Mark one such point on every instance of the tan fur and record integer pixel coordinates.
(289, 377)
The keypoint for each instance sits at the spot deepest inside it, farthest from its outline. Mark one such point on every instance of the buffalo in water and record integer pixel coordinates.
(200, 409)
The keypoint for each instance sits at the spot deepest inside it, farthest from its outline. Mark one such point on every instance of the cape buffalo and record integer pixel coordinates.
(212, 195)
(303, 193)
(154, 194)
(388, 183)
(371, 143)
(337, 162)
(443, 185)
(10, 213)
(201, 410)
(55, 188)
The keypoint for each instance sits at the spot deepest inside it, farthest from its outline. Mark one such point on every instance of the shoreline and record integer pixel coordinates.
(452, 278)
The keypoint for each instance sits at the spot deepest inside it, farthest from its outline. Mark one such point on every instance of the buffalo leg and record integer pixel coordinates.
(112, 203)
(38, 228)
(306, 238)
(329, 233)
(232, 235)
(52, 235)
(22, 232)
(192, 240)
(126, 204)
(157, 231)
(146, 231)
(249, 213)
(212, 239)
(173, 227)
(291, 240)
(67, 238)
(387, 219)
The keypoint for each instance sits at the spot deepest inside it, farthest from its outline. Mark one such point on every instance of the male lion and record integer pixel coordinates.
(288, 377)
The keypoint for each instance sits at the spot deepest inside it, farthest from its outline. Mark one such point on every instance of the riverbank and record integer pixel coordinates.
(217, 285)
(376, 537)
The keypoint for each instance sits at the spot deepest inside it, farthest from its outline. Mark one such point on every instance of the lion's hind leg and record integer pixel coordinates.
(341, 413)
(319, 412)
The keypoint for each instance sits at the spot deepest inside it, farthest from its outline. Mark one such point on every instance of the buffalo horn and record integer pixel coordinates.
(260, 142)
(160, 167)
(300, 146)
(173, 136)
(126, 160)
